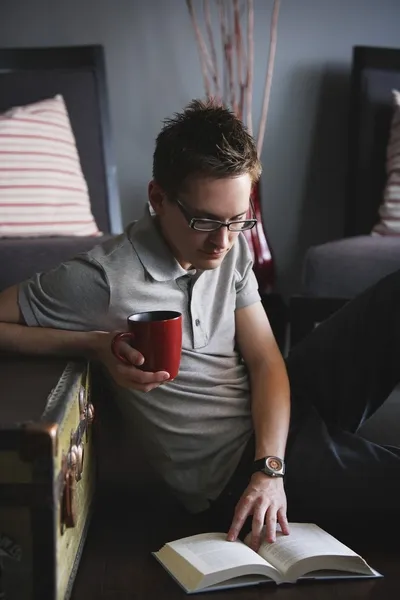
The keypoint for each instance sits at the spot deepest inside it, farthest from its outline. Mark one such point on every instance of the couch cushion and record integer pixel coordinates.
(21, 258)
(42, 188)
(389, 211)
(344, 268)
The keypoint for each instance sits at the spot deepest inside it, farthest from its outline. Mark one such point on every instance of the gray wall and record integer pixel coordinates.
(153, 70)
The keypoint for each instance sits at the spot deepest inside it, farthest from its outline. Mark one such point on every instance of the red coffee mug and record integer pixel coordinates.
(158, 336)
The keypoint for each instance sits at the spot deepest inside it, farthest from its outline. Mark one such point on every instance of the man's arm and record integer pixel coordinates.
(15, 336)
(270, 393)
(270, 396)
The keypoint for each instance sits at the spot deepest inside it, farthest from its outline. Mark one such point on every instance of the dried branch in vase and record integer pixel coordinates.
(250, 65)
(210, 35)
(235, 86)
(268, 79)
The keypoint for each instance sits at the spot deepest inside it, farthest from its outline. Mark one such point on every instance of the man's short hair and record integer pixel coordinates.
(205, 140)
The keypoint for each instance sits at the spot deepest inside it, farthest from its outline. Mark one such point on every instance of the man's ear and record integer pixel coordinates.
(156, 197)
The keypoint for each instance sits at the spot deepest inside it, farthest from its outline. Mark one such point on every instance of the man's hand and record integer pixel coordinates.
(127, 376)
(265, 499)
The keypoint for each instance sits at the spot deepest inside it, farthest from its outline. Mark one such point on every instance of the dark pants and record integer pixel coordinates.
(340, 375)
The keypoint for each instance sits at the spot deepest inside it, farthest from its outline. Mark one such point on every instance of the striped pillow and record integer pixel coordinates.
(43, 191)
(389, 211)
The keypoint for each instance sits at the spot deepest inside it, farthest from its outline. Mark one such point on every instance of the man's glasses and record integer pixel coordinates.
(199, 224)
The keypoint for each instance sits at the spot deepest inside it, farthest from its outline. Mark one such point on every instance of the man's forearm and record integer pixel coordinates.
(270, 394)
(40, 340)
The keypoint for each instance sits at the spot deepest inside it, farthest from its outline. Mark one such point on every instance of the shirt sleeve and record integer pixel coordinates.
(246, 282)
(74, 296)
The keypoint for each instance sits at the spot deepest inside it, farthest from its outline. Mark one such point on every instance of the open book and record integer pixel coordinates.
(207, 561)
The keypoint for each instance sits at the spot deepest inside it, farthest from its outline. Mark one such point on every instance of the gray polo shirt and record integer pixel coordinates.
(193, 429)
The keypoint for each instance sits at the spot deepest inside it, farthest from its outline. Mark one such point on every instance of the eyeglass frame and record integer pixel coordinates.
(191, 221)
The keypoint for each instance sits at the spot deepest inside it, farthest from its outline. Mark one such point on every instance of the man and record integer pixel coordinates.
(218, 433)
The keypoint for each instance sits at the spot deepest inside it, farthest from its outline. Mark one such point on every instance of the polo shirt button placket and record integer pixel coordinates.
(200, 338)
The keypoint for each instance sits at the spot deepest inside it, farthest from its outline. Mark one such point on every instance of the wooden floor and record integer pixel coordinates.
(116, 563)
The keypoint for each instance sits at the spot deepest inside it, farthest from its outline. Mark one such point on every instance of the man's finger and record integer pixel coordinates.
(283, 522)
(257, 526)
(242, 511)
(141, 377)
(131, 354)
(270, 524)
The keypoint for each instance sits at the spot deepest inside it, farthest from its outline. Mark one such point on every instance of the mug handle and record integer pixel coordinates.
(117, 338)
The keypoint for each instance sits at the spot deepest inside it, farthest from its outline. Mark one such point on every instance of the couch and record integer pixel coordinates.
(337, 270)
(28, 75)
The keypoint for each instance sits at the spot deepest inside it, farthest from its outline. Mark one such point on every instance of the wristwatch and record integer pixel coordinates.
(270, 465)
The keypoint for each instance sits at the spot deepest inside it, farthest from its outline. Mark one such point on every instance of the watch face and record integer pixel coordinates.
(274, 463)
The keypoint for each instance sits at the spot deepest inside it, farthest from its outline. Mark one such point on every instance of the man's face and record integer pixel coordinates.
(221, 199)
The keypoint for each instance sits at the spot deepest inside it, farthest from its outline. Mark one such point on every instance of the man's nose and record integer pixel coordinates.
(220, 237)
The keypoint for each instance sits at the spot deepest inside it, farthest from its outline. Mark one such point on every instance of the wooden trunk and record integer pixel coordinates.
(47, 474)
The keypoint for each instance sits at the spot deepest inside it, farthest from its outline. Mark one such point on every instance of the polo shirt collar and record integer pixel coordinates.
(153, 251)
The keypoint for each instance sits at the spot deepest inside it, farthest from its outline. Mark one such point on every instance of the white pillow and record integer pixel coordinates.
(43, 191)
(389, 211)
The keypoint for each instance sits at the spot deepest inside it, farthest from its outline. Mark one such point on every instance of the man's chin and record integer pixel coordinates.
(206, 261)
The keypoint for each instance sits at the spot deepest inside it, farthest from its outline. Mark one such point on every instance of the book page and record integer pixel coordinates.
(211, 552)
(208, 559)
(306, 540)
